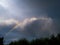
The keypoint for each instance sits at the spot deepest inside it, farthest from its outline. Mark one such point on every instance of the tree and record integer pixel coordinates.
(1, 41)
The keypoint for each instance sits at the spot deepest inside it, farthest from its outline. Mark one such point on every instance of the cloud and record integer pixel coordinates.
(39, 27)
(29, 28)
(41, 24)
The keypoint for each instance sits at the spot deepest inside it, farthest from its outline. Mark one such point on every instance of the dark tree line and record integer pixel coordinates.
(1, 41)
(53, 40)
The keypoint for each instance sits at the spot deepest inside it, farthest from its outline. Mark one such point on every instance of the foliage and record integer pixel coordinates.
(53, 40)
(1, 41)
(44, 41)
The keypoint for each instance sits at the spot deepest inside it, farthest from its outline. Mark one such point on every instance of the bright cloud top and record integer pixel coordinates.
(26, 21)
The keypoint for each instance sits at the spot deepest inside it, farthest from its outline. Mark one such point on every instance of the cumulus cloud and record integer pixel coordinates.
(30, 24)
(28, 28)
(38, 27)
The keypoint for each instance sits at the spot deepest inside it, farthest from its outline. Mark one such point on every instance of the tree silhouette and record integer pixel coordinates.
(1, 41)
(53, 40)
(20, 42)
(13, 43)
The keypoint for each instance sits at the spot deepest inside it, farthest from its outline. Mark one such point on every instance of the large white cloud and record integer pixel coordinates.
(42, 23)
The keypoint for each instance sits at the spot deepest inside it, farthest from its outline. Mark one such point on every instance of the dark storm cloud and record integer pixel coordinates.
(54, 9)
(37, 7)
(33, 7)
(41, 7)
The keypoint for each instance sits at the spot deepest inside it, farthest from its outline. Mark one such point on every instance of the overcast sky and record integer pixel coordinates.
(29, 18)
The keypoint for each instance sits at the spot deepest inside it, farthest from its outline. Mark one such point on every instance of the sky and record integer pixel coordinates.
(29, 19)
